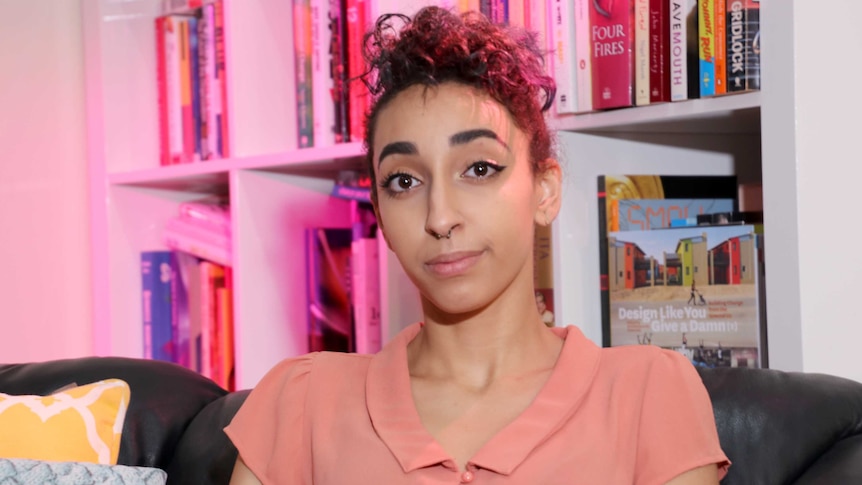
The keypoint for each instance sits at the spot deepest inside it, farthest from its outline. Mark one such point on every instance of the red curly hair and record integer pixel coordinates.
(438, 46)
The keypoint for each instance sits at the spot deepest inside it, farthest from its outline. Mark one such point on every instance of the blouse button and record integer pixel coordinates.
(467, 477)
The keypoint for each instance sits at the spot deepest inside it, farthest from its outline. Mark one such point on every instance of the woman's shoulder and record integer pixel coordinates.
(646, 363)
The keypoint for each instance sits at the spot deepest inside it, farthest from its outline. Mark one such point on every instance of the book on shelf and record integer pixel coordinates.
(706, 49)
(584, 61)
(720, 23)
(612, 189)
(338, 69)
(642, 52)
(659, 51)
(352, 185)
(693, 290)
(743, 45)
(328, 273)
(564, 59)
(323, 84)
(359, 99)
(684, 50)
(213, 213)
(612, 53)
(157, 275)
(182, 234)
(302, 45)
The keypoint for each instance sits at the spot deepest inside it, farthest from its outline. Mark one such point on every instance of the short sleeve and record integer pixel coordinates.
(270, 429)
(677, 427)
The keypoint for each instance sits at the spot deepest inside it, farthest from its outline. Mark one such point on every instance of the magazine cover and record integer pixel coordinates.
(330, 314)
(693, 290)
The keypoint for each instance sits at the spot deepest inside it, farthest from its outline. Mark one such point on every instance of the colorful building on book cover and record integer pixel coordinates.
(692, 290)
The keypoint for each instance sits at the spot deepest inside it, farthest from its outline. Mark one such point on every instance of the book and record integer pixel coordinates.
(211, 278)
(182, 235)
(168, 42)
(720, 19)
(685, 68)
(302, 44)
(612, 53)
(221, 85)
(582, 53)
(642, 52)
(613, 188)
(195, 81)
(211, 212)
(692, 290)
(564, 56)
(185, 267)
(338, 70)
(358, 96)
(743, 45)
(157, 304)
(161, 83)
(209, 85)
(659, 51)
(352, 185)
(706, 49)
(188, 119)
(330, 314)
(322, 105)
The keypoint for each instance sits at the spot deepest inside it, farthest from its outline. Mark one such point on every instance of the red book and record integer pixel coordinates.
(612, 42)
(720, 47)
(358, 99)
(161, 72)
(659, 45)
(222, 77)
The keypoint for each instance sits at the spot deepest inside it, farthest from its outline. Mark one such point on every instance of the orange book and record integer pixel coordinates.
(720, 47)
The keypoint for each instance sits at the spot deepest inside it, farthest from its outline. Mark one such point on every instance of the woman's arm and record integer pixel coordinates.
(243, 476)
(705, 475)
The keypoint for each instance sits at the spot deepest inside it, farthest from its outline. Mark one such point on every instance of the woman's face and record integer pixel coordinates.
(451, 158)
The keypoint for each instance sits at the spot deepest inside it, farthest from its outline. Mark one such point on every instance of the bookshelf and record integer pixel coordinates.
(276, 189)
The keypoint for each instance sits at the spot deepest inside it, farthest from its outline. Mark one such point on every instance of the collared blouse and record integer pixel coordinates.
(623, 415)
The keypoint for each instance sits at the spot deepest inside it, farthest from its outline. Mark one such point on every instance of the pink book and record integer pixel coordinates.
(181, 235)
(612, 42)
(214, 215)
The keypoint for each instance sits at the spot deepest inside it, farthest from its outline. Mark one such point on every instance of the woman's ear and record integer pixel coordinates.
(549, 187)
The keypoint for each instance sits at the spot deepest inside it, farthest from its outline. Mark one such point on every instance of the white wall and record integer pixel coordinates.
(45, 302)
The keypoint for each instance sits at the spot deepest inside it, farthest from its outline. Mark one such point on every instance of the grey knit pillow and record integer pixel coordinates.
(19, 471)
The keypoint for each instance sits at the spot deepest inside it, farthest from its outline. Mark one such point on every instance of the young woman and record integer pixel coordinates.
(481, 390)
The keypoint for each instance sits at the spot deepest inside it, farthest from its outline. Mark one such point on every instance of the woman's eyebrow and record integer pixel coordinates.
(464, 137)
(397, 148)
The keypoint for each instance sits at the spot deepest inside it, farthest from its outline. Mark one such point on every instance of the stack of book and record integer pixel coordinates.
(192, 89)
(187, 293)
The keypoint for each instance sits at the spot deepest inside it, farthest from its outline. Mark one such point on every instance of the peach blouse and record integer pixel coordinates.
(622, 415)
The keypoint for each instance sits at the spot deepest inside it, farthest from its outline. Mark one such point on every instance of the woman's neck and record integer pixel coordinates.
(501, 341)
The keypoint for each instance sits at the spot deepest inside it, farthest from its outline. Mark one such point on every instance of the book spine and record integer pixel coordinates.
(194, 70)
(582, 54)
(565, 72)
(743, 44)
(338, 69)
(678, 51)
(604, 291)
(221, 74)
(720, 19)
(161, 83)
(304, 86)
(642, 53)
(659, 51)
(357, 19)
(706, 46)
(174, 90)
(323, 110)
(206, 67)
(186, 92)
(157, 274)
(211, 278)
(612, 43)
(181, 265)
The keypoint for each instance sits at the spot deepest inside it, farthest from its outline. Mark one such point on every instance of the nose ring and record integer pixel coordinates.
(440, 236)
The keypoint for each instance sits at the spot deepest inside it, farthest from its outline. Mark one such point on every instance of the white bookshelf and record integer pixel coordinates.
(276, 189)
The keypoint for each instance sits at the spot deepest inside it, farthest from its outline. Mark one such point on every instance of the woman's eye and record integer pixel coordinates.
(483, 169)
(400, 182)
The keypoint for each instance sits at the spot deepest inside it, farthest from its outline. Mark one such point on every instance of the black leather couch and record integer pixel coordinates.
(776, 427)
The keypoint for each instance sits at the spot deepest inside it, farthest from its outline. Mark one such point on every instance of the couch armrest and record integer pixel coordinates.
(841, 464)
(204, 454)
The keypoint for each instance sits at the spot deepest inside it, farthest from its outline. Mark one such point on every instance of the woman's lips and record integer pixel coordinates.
(451, 264)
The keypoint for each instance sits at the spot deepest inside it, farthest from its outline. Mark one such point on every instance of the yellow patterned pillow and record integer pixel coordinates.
(83, 423)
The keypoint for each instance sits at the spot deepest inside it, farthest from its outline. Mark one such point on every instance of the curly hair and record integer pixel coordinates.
(438, 46)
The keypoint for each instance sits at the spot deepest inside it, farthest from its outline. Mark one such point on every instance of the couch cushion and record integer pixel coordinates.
(82, 423)
(24, 472)
(205, 454)
(164, 398)
(774, 425)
